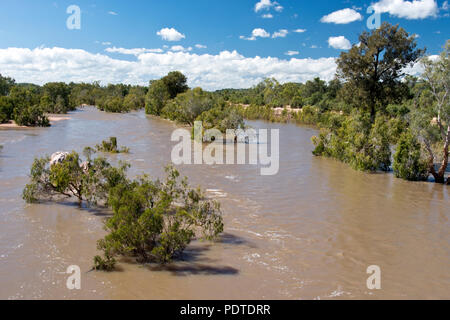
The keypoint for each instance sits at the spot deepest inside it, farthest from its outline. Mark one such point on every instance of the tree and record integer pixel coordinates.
(154, 221)
(87, 181)
(372, 71)
(156, 98)
(6, 109)
(56, 98)
(176, 83)
(5, 85)
(431, 114)
(27, 111)
(408, 161)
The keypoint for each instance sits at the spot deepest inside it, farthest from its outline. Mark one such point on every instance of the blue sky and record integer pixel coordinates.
(211, 34)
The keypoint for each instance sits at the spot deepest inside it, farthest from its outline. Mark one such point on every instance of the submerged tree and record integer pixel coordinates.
(154, 221)
(430, 117)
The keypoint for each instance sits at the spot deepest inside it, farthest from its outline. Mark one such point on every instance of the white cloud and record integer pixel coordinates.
(263, 5)
(224, 70)
(267, 16)
(343, 16)
(282, 33)
(279, 8)
(340, 43)
(170, 34)
(106, 43)
(200, 46)
(113, 13)
(258, 32)
(416, 9)
(135, 51)
(180, 48)
(299, 30)
(291, 53)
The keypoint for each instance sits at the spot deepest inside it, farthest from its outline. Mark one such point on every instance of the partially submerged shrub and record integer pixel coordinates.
(111, 146)
(154, 221)
(408, 161)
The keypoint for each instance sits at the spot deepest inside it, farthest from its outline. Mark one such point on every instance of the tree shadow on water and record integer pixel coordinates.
(194, 260)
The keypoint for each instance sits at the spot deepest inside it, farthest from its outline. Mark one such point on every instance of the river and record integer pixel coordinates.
(309, 232)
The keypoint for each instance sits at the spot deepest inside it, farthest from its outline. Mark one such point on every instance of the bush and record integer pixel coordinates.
(6, 109)
(356, 141)
(408, 161)
(111, 146)
(154, 221)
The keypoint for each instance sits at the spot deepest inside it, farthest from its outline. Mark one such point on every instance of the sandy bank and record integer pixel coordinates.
(13, 125)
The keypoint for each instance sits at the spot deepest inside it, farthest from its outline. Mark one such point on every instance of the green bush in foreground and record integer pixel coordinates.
(154, 221)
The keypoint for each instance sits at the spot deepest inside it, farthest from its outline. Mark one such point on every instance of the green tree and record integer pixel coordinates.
(156, 98)
(5, 85)
(176, 83)
(430, 116)
(154, 221)
(372, 71)
(408, 161)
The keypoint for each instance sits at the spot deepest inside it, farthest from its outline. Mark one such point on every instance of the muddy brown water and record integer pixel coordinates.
(309, 232)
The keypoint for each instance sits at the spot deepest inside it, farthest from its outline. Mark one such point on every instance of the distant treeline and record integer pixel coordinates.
(27, 104)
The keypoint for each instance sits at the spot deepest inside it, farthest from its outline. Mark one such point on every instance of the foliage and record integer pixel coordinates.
(372, 71)
(154, 221)
(6, 109)
(430, 115)
(187, 106)
(88, 181)
(6, 84)
(408, 161)
(111, 146)
(56, 98)
(356, 141)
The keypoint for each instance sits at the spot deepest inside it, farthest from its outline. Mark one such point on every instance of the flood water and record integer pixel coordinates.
(309, 232)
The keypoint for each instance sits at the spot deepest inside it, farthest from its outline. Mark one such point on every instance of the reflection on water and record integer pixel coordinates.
(309, 232)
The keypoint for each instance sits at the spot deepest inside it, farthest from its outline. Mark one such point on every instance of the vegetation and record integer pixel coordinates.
(152, 221)
(111, 146)
(170, 98)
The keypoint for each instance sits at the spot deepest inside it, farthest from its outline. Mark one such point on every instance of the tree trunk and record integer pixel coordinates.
(444, 164)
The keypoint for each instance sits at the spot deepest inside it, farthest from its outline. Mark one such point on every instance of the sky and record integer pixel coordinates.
(217, 44)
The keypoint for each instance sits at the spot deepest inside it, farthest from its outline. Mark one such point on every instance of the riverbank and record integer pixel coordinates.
(52, 118)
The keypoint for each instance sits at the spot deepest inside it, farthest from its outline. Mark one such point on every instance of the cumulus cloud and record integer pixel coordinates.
(258, 32)
(299, 30)
(224, 70)
(113, 13)
(180, 48)
(340, 43)
(416, 9)
(170, 34)
(135, 51)
(267, 16)
(200, 46)
(282, 33)
(291, 53)
(343, 16)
